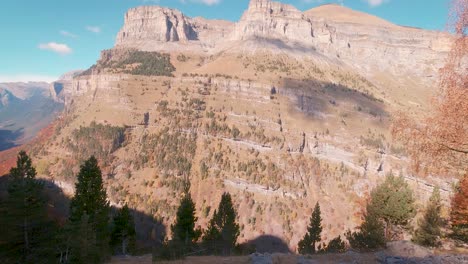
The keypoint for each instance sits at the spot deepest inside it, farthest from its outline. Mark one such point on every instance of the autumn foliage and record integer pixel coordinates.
(439, 142)
(459, 213)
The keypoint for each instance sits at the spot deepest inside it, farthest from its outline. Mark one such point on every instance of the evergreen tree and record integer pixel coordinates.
(459, 212)
(183, 230)
(25, 225)
(89, 216)
(393, 202)
(23, 215)
(123, 234)
(428, 232)
(336, 245)
(371, 234)
(222, 232)
(308, 244)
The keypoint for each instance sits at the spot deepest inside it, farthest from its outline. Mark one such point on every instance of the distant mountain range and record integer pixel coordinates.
(25, 108)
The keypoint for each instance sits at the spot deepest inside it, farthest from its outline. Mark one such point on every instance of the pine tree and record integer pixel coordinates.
(25, 224)
(308, 244)
(459, 212)
(123, 234)
(371, 234)
(183, 230)
(336, 245)
(393, 202)
(428, 232)
(222, 232)
(89, 211)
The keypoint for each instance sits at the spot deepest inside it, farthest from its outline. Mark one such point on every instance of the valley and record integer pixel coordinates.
(282, 109)
(278, 130)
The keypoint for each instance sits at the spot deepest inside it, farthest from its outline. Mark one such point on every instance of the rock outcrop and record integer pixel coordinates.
(6, 98)
(364, 42)
(155, 24)
(375, 45)
(62, 87)
(267, 19)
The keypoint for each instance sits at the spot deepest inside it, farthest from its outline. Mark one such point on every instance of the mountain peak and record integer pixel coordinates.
(342, 14)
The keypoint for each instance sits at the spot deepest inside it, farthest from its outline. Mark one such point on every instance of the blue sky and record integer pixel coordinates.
(41, 39)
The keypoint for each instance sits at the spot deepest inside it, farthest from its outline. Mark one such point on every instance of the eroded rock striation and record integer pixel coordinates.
(364, 42)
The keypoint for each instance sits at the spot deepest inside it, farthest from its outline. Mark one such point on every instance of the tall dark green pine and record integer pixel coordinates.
(183, 230)
(308, 244)
(223, 231)
(25, 225)
(89, 216)
(429, 230)
(123, 236)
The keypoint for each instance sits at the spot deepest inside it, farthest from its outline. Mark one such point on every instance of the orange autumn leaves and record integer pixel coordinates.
(438, 143)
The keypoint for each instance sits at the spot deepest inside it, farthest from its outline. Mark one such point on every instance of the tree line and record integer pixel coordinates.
(93, 232)
(388, 213)
(90, 234)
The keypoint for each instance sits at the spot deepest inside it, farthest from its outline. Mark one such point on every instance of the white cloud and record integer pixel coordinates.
(94, 29)
(312, 1)
(340, 2)
(59, 48)
(374, 3)
(209, 2)
(27, 78)
(205, 2)
(67, 34)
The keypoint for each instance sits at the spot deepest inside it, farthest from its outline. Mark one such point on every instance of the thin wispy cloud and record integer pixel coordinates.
(375, 3)
(340, 2)
(59, 48)
(205, 2)
(208, 2)
(94, 29)
(67, 34)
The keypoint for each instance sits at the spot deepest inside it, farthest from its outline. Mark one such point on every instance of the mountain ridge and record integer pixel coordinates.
(385, 47)
(280, 109)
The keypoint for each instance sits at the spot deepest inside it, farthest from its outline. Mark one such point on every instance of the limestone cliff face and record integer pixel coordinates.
(375, 45)
(364, 42)
(360, 40)
(61, 88)
(267, 19)
(155, 24)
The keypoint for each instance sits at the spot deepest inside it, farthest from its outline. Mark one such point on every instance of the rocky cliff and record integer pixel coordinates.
(267, 19)
(233, 106)
(152, 24)
(363, 42)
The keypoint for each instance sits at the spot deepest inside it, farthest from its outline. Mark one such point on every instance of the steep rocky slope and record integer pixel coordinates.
(282, 109)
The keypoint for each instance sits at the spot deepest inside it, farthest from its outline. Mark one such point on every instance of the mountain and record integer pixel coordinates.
(56, 88)
(25, 109)
(7, 98)
(282, 109)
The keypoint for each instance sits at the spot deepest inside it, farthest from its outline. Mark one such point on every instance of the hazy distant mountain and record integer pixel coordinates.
(7, 98)
(25, 108)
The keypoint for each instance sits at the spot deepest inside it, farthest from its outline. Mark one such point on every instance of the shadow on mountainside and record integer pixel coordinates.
(8, 138)
(150, 232)
(269, 244)
(313, 98)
